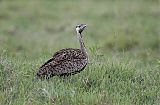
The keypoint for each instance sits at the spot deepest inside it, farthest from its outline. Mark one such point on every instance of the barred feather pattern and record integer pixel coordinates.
(64, 62)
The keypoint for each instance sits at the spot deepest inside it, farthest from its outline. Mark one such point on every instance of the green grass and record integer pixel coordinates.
(122, 39)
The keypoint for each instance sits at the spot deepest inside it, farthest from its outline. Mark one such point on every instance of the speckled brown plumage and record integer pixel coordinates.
(66, 61)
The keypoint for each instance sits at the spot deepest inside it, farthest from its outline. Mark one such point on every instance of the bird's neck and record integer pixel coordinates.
(82, 45)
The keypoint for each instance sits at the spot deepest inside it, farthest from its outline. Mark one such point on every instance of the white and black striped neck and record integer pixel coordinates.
(82, 45)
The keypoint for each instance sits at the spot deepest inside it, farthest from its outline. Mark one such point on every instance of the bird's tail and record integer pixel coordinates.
(44, 72)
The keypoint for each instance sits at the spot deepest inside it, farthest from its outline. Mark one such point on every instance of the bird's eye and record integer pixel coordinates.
(78, 26)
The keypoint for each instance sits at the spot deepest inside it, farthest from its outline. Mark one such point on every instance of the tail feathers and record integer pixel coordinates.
(45, 72)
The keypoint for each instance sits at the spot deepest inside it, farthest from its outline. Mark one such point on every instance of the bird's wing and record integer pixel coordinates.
(58, 57)
(68, 53)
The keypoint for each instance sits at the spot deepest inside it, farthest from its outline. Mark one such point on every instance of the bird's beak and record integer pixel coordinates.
(83, 27)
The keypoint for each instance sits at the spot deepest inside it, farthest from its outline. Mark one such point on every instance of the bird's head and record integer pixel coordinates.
(80, 28)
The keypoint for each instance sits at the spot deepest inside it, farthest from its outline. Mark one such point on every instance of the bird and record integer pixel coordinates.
(67, 61)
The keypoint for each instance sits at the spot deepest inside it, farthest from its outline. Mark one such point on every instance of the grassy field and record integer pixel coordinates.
(122, 40)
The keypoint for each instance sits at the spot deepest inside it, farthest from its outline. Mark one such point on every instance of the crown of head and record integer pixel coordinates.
(80, 28)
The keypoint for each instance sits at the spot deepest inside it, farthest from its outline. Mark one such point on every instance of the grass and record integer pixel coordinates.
(123, 43)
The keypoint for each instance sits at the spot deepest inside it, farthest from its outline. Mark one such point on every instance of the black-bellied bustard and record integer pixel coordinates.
(66, 61)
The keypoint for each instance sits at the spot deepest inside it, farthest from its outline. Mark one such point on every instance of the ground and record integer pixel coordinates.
(122, 40)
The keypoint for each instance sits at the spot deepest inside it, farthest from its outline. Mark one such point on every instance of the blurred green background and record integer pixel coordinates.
(119, 31)
(32, 27)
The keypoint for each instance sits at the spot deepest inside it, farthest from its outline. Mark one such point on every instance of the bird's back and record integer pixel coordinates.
(64, 62)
